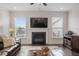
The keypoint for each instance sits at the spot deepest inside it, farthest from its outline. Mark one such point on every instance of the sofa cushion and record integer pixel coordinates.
(6, 41)
(4, 51)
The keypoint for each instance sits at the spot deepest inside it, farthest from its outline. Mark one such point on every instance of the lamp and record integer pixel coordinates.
(11, 30)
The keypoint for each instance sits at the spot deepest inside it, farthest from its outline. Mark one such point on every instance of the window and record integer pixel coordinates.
(57, 27)
(20, 27)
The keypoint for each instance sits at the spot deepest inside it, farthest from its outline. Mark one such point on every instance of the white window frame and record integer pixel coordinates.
(58, 28)
(25, 35)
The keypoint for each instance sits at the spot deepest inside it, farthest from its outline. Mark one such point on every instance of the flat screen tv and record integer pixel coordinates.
(38, 22)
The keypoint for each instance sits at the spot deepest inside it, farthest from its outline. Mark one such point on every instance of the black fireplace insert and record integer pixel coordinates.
(39, 38)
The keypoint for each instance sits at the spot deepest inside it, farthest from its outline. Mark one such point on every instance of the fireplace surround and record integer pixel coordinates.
(38, 38)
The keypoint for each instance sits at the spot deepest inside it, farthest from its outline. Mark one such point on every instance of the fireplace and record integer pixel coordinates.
(39, 38)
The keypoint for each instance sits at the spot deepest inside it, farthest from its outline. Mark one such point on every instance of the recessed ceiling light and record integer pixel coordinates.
(61, 8)
(14, 8)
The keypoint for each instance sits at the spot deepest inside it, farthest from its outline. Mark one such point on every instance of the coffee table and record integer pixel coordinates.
(39, 53)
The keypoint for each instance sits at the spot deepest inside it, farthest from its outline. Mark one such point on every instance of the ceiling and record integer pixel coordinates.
(37, 7)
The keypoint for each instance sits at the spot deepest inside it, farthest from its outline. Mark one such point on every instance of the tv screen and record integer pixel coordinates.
(38, 22)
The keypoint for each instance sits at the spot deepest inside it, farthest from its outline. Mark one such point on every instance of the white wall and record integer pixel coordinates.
(4, 22)
(74, 21)
(49, 15)
(1, 22)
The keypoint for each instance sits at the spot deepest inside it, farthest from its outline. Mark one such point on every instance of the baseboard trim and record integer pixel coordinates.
(42, 45)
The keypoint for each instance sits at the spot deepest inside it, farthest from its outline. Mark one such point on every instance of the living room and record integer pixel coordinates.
(37, 26)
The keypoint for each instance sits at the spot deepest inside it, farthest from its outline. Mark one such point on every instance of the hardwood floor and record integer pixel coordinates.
(56, 50)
